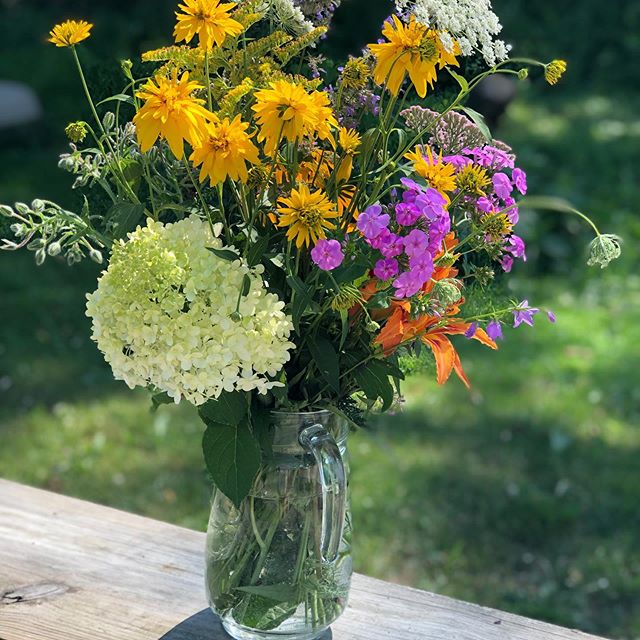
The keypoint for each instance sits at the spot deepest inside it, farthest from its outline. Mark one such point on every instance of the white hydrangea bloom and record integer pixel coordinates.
(472, 22)
(163, 315)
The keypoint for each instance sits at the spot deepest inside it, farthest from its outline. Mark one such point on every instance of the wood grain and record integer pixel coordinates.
(72, 570)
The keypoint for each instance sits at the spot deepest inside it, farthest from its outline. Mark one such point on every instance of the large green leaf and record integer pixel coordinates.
(225, 254)
(301, 300)
(230, 408)
(373, 378)
(232, 456)
(326, 359)
(123, 217)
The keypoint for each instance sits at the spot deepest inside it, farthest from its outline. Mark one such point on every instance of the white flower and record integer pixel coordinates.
(287, 15)
(164, 315)
(471, 22)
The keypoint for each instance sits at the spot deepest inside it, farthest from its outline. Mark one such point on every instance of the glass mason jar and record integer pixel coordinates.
(280, 565)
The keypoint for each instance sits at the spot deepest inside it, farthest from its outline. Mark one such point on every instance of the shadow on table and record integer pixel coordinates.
(205, 625)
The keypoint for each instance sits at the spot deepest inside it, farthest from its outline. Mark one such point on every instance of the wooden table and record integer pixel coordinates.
(72, 570)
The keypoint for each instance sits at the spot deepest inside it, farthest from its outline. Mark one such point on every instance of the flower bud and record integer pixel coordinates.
(126, 66)
(95, 255)
(37, 205)
(446, 292)
(523, 73)
(41, 254)
(76, 131)
(604, 249)
(109, 120)
(18, 229)
(22, 208)
(54, 249)
(5, 210)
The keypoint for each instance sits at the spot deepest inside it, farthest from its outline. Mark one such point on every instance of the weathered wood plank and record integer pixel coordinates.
(72, 570)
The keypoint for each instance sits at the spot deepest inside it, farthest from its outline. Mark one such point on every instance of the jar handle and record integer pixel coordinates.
(320, 443)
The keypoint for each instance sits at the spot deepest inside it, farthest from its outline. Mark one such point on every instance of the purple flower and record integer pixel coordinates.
(471, 331)
(502, 185)
(407, 284)
(415, 243)
(431, 203)
(372, 221)
(551, 316)
(524, 313)
(494, 330)
(520, 180)
(506, 263)
(516, 247)
(485, 204)
(491, 157)
(407, 214)
(457, 160)
(386, 269)
(327, 254)
(422, 265)
(390, 244)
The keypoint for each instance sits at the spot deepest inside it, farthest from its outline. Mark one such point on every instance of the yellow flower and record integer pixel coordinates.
(440, 175)
(472, 179)
(70, 32)
(306, 214)
(355, 74)
(414, 49)
(287, 111)
(207, 18)
(554, 70)
(225, 151)
(171, 113)
(349, 142)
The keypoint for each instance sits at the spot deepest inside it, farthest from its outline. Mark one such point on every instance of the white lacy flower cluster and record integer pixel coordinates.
(164, 315)
(287, 15)
(472, 22)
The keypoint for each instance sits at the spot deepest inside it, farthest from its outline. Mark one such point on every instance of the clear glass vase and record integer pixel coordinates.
(279, 566)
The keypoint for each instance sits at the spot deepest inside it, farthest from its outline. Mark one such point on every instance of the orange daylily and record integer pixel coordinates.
(400, 328)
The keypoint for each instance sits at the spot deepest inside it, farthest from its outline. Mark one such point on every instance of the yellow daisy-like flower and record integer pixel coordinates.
(414, 49)
(349, 142)
(355, 74)
(554, 71)
(307, 214)
(225, 152)
(473, 179)
(70, 32)
(170, 112)
(287, 111)
(209, 19)
(440, 175)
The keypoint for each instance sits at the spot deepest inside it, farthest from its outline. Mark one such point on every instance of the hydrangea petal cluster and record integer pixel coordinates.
(164, 314)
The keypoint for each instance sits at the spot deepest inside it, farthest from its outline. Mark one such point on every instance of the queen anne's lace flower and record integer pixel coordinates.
(164, 315)
(472, 23)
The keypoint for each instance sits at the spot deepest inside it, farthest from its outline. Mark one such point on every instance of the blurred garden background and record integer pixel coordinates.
(523, 494)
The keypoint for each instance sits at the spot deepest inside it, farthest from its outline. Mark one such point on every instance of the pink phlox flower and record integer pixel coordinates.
(407, 284)
(372, 221)
(416, 242)
(407, 214)
(516, 247)
(422, 265)
(386, 269)
(519, 178)
(327, 254)
(502, 185)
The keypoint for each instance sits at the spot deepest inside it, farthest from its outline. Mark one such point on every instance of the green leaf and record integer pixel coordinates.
(462, 81)
(257, 250)
(232, 456)
(479, 121)
(230, 408)
(344, 321)
(158, 399)
(246, 285)
(277, 592)
(123, 217)
(262, 426)
(119, 97)
(350, 270)
(373, 378)
(301, 300)
(326, 359)
(225, 254)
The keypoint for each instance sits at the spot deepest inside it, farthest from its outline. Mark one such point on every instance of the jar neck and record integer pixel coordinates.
(288, 425)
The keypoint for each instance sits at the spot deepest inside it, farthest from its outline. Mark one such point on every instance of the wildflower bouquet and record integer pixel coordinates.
(275, 242)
